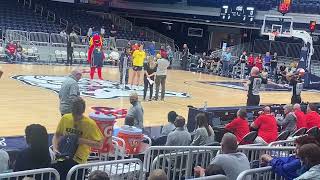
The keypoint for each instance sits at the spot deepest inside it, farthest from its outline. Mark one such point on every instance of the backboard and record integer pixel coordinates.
(282, 26)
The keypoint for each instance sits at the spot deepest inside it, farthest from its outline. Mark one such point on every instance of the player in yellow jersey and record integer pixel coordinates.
(138, 58)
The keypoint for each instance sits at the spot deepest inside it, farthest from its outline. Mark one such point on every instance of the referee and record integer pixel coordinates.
(254, 84)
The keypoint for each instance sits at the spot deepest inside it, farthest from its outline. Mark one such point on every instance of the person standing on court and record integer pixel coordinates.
(184, 57)
(297, 86)
(138, 58)
(136, 111)
(267, 61)
(70, 44)
(161, 76)
(243, 61)
(226, 59)
(254, 84)
(113, 34)
(150, 69)
(69, 91)
(274, 64)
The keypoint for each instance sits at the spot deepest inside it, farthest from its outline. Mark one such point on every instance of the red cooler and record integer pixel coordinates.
(133, 137)
(105, 124)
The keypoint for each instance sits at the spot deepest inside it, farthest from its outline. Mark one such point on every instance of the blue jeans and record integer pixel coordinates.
(225, 68)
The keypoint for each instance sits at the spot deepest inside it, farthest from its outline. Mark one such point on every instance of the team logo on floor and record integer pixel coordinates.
(95, 89)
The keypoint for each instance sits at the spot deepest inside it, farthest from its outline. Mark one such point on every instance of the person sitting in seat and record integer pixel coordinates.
(301, 117)
(289, 122)
(10, 51)
(20, 55)
(266, 124)
(98, 175)
(239, 126)
(204, 133)
(309, 154)
(288, 167)
(179, 137)
(158, 174)
(4, 161)
(36, 155)
(230, 160)
(168, 128)
(312, 117)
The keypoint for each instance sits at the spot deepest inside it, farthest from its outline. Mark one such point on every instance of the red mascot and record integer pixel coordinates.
(96, 56)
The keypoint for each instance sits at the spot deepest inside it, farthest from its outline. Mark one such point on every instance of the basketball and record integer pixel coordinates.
(301, 72)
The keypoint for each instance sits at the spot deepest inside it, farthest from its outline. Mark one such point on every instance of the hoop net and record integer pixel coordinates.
(273, 35)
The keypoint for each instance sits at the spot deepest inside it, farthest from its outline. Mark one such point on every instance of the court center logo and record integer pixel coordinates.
(95, 89)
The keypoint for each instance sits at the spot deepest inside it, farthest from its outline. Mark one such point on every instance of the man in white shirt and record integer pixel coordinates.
(161, 76)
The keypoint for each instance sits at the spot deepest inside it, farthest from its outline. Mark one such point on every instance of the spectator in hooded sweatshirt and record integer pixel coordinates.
(289, 167)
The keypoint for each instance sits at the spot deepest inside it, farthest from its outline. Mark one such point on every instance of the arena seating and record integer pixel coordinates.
(14, 16)
(84, 20)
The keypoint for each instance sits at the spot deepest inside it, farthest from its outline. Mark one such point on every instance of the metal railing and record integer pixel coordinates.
(119, 169)
(40, 174)
(235, 50)
(215, 177)
(264, 173)
(179, 161)
(288, 142)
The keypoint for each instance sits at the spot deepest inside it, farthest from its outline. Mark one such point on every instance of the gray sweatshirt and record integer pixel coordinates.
(136, 111)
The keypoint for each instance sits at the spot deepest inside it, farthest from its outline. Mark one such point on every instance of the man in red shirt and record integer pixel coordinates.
(11, 51)
(239, 126)
(312, 117)
(267, 127)
(301, 117)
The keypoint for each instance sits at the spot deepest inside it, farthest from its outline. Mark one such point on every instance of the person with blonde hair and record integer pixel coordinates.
(136, 111)
(150, 69)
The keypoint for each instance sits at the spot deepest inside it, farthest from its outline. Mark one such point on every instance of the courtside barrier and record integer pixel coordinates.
(179, 161)
(40, 174)
(215, 177)
(119, 169)
(264, 173)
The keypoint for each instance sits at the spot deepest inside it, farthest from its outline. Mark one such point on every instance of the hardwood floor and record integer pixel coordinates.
(22, 104)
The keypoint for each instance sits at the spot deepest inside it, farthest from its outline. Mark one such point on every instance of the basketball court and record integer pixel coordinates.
(27, 95)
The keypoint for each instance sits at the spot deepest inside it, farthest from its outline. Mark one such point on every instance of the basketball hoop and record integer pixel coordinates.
(273, 35)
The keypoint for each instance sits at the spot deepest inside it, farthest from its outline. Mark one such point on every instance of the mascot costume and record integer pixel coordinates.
(96, 56)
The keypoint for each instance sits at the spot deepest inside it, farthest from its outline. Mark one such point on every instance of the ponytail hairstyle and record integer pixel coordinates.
(202, 121)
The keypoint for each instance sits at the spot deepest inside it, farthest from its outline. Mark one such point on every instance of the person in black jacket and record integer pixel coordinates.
(36, 155)
(184, 57)
(124, 64)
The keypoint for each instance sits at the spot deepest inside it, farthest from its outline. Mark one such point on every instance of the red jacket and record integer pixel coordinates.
(312, 119)
(239, 127)
(301, 119)
(259, 63)
(251, 61)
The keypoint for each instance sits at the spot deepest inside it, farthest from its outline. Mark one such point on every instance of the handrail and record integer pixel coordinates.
(34, 173)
